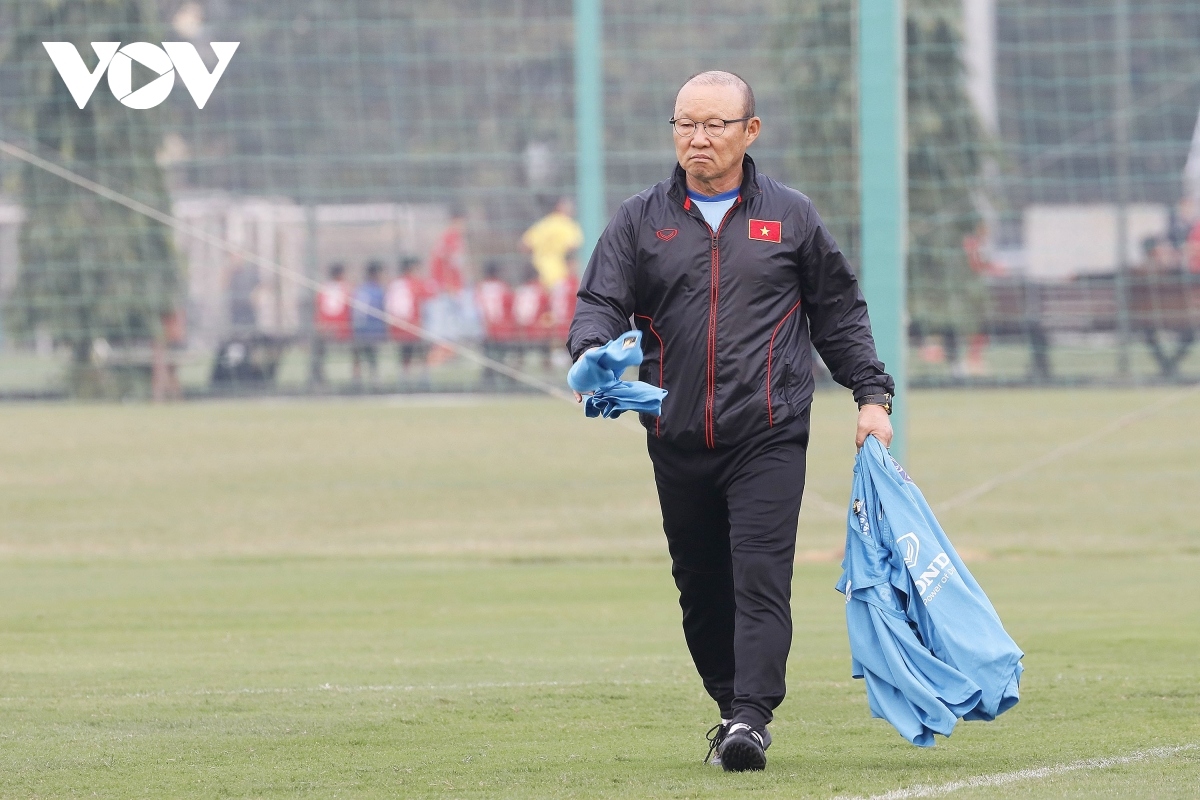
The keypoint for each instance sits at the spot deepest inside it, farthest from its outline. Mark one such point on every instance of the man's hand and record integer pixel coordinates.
(873, 420)
(578, 396)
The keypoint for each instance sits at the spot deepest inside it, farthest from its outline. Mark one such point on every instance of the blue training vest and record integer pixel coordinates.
(923, 635)
(599, 371)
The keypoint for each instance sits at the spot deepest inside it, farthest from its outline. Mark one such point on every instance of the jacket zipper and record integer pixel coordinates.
(710, 404)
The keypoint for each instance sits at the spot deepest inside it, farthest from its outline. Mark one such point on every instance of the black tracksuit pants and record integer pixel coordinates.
(730, 518)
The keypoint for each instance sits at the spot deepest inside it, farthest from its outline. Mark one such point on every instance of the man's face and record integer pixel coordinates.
(704, 157)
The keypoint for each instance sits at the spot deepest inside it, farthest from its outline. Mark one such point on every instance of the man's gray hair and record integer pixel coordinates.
(716, 77)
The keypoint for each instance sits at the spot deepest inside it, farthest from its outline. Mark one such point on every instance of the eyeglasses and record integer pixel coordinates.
(686, 128)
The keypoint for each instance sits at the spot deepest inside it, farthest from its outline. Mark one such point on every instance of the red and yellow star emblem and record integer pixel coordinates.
(765, 230)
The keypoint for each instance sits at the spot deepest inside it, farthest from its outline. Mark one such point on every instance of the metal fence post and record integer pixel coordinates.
(589, 121)
(1122, 105)
(883, 188)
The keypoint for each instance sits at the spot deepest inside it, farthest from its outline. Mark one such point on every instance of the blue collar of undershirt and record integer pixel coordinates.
(716, 198)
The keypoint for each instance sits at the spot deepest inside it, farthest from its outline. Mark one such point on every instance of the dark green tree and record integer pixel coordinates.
(90, 269)
(945, 146)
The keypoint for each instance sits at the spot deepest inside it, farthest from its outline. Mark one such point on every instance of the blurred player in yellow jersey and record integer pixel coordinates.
(551, 240)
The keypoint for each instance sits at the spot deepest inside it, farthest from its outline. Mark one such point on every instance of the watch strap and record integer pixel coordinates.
(884, 400)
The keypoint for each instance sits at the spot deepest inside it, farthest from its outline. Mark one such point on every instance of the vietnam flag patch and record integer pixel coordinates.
(765, 230)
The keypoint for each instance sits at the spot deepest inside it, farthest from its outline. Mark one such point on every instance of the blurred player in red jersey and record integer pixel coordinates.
(494, 299)
(975, 245)
(449, 257)
(406, 293)
(562, 307)
(531, 314)
(447, 263)
(1193, 249)
(332, 319)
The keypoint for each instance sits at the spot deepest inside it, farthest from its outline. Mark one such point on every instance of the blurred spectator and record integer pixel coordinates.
(1183, 231)
(551, 240)
(164, 365)
(531, 314)
(494, 298)
(333, 305)
(978, 249)
(447, 265)
(369, 329)
(1193, 248)
(242, 286)
(562, 310)
(1158, 255)
(406, 294)
(331, 319)
(977, 246)
(1179, 224)
(448, 261)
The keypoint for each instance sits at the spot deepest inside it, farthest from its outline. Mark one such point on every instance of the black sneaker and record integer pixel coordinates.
(715, 735)
(742, 748)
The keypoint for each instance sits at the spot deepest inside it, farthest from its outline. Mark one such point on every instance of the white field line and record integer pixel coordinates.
(1067, 449)
(815, 503)
(333, 688)
(1005, 778)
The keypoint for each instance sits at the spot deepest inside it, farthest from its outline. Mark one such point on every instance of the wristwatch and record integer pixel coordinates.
(884, 400)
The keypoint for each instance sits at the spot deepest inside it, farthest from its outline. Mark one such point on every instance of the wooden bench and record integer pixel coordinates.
(1160, 304)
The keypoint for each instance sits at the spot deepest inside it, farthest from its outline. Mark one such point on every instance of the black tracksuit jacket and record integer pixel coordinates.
(729, 316)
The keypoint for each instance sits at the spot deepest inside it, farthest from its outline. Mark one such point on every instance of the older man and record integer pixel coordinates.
(733, 278)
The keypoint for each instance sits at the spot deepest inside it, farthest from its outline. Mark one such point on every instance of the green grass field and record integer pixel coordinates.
(452, 599)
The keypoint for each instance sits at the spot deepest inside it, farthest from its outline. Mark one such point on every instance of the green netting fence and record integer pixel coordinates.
(1052, 231)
